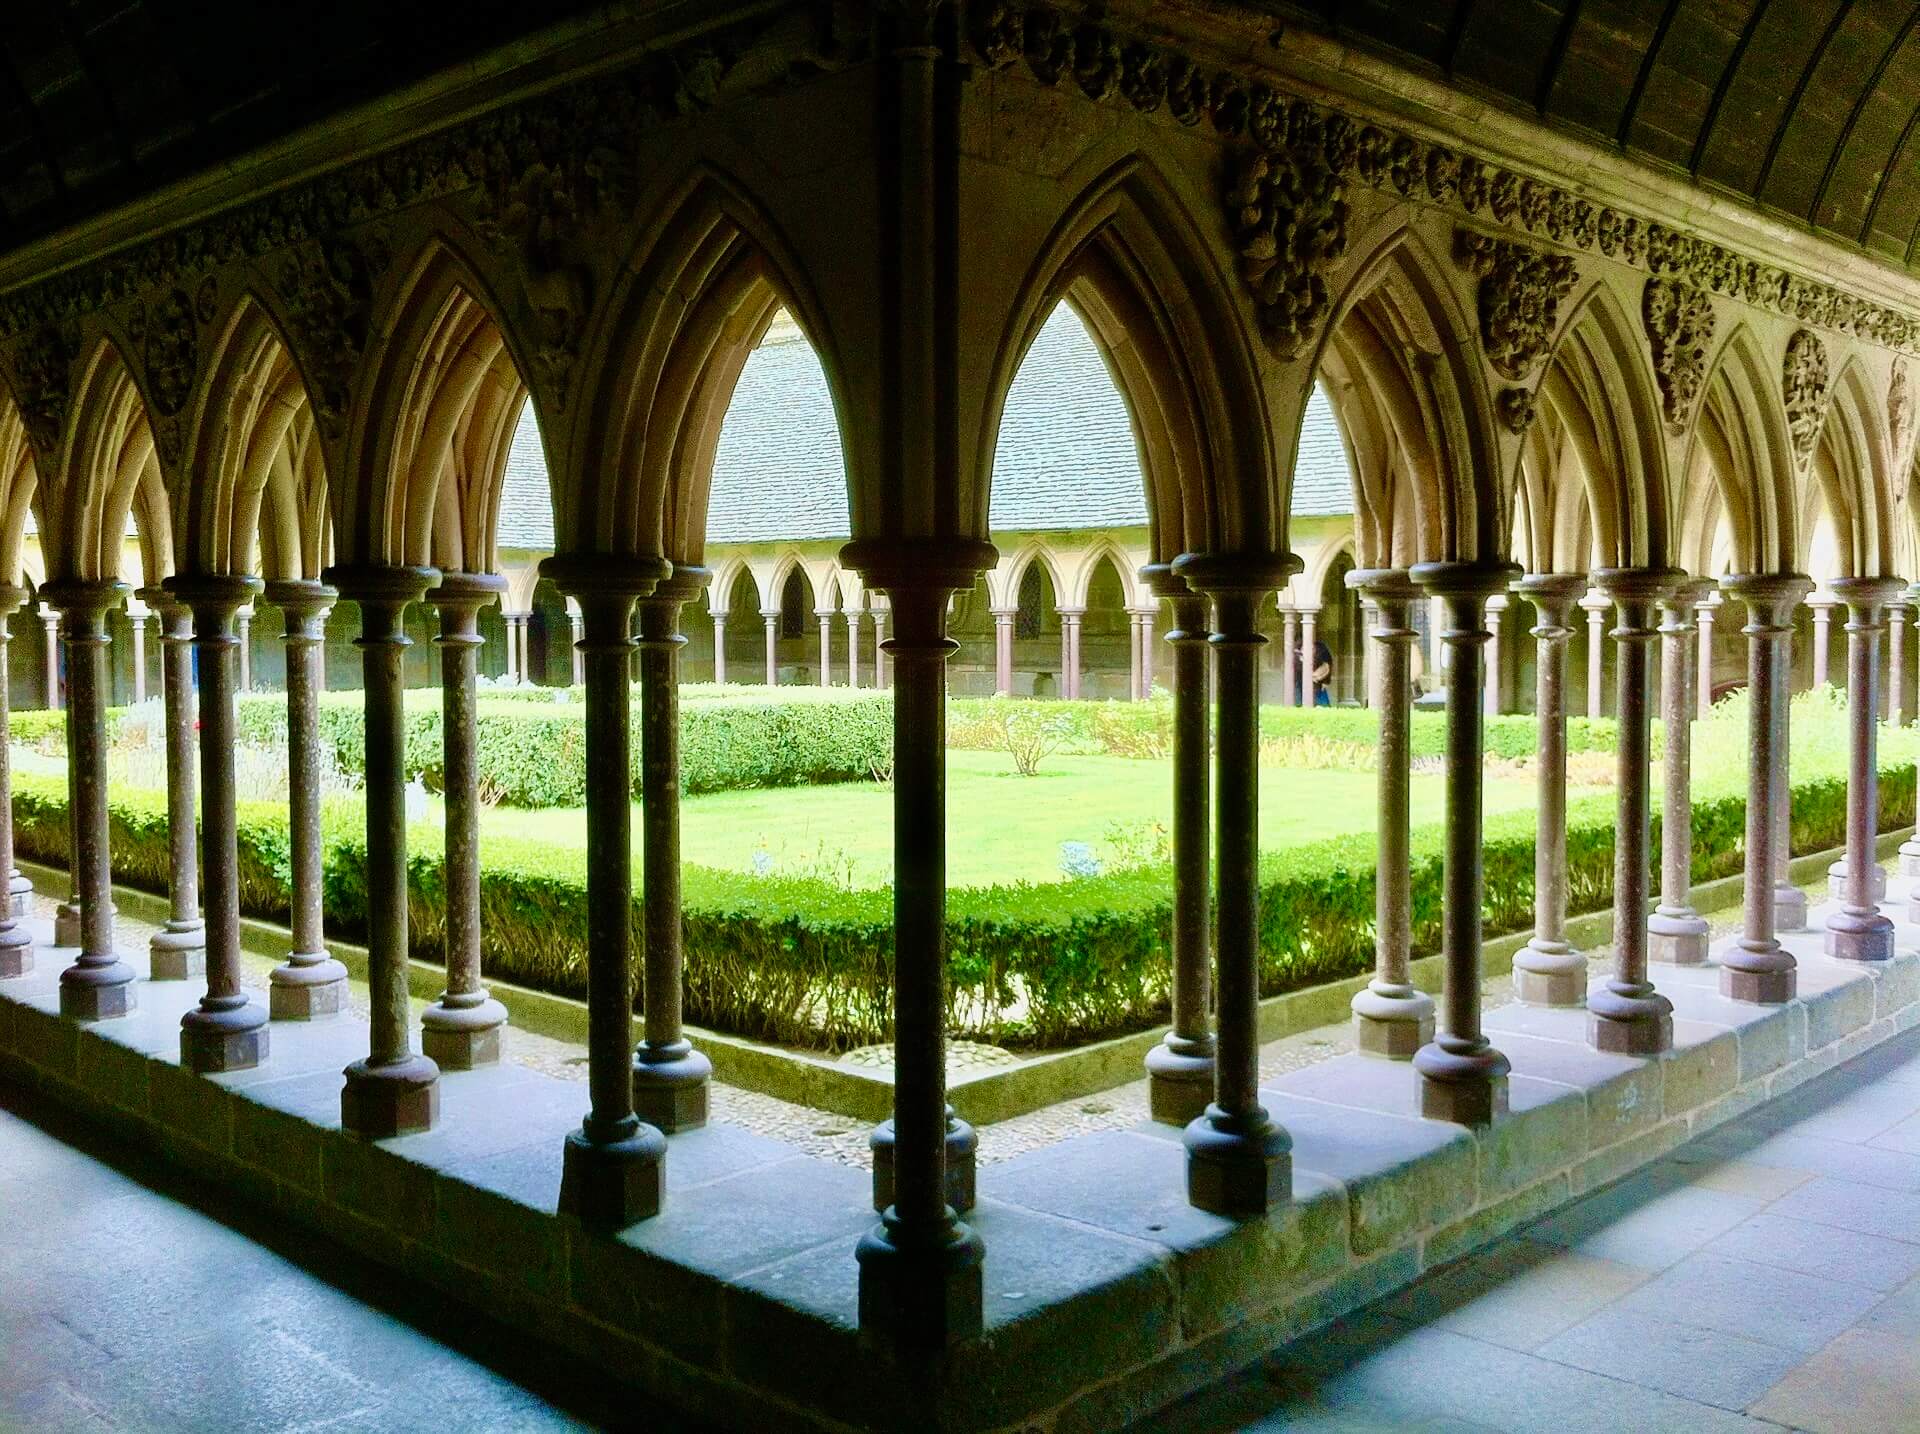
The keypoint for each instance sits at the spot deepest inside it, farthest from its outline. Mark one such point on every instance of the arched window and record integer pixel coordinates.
(793, 606)
(1026, 621)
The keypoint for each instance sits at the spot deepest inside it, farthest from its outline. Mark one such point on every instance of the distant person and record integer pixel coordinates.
(1322, 673)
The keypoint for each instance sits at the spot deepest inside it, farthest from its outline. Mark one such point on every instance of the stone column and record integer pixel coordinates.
(462, 1029)
(880, 678)
(1496, 612)
(393, 1091)
(1625, 1015)
(1133, 655)
(243, 624)
(524, 636)
(1239, 1162)
(1596, 607)
(719, 647)
(1703, 659)
(1180, 1068)
(1858, 931)
(852, 616)
(1903, 700)
(615, 1164)
(1758, 968)
(227, 1031)
(772, 622)
(1892, 702)
(137, 619)
(1547, 971)
(1676, 933)
(579, 661)
(1070, 650)
(826, 647)
(309, 985)
(1146, 654)
(1823, 607)
(1463, 1078)
(670, 1077)
(1289, 657)
(99, 985)
(51, 617)
(177, 950)
(1003, 619)
(1309, 688)
(1390, 1017)
(512, 621)
(16, 942)
(920, 1271)
(1789, 901)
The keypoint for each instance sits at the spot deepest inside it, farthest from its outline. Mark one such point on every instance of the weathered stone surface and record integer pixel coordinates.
(1545, 1129)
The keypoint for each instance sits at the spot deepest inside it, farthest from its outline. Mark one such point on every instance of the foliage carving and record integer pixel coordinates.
(1519, 298)
(1289, 223)
(1803, 385)
(1679, 321)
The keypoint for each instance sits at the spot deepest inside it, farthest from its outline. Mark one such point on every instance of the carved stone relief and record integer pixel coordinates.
(1519, 298)
(1803, 386)
(327, 291)
(1900, 421)
(1679, 321)
(1289, 223)
(42, 374)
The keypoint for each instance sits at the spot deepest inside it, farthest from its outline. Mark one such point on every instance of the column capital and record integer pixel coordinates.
(1866, 596)
(905, 564)
(1553, 596)
(685, 583)
(11, 598)
(1769, 597)
(1162, 581)
(1254, 573)
(82, 597)
(220, 595)
(176, 622)
(1687, 594)
(1072, 612)
(1824, 600)
(381, 586)
(1004, 614)
(300, 597)
(1383, 584)
(616, 575)
(1463, 580)
(1594, 602)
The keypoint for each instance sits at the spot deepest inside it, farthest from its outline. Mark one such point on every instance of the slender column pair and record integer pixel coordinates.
(98, 985)
(1858, 931)
(1596, 607)
(1496, 612)
(1289, 657)
(1390, 1017)
(1676, 933)
(1547, 970)
(920, 1270)
(826, 646)
(1003, 620)
(137, 615)
(309, 985)
(1895, 702)
(1463, 1078)
(16, 942)
(177, 951)
(1180, 1069)
(50, 617)
(1823, 608)
(1625, 1014)
(1704, 612)
(880, 680)
(614, 1168)
(578, 626)
(393, 1091)
(462, 1029)
(1070, 619)
(719, 647)
(771, 621)
(227, 1031)
(670, 1078)
(853, 646)
(1239, 1161)
(1758, 968)
(1789, 901)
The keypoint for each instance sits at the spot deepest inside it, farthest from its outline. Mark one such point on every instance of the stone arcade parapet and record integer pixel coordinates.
(1106, 1293)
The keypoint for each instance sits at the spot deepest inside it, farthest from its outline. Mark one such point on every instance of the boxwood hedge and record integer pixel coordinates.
(802, 961)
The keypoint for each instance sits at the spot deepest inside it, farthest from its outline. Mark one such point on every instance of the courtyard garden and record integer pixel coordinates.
(1060, 907)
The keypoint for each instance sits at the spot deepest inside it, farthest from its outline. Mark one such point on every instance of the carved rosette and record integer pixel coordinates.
(1289, 222)
(1519, 298)
(1803, 387)
(1679, 321)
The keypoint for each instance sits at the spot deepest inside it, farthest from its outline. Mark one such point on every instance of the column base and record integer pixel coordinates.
(1462, 1083)
(921, 1290)
(392, 1098)
(1549, 973)
(1789, 909)
(1766, 976)
(1677, 937)
(1391, 1021)
(1238, 1165)
(97, 993)
(178, 951)
(1910, 856)
(66, 924)
(1179, 1079)
(611, 1184)
(230, 1038)
(463, 1037)
(21, 892)
(16, 952)
(1859, 936)
(963, 1148)
(671, 1086)
(307, 987)
(1629, 1023)
(1837, 881)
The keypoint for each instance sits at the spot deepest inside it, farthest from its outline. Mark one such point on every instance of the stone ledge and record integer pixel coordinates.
(1107, 1294)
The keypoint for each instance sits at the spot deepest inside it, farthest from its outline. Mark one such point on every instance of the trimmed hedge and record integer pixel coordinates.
(533, 753)
(802, 961)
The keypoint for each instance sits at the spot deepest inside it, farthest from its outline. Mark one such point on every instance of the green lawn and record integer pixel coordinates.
(1003, 827)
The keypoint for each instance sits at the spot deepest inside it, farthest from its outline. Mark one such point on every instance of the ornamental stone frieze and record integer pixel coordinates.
(1804, 380)
(1679, 320)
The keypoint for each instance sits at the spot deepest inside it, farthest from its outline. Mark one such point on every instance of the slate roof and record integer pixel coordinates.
(1065, 460)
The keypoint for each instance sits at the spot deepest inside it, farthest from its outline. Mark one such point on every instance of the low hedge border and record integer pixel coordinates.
(801, 961)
